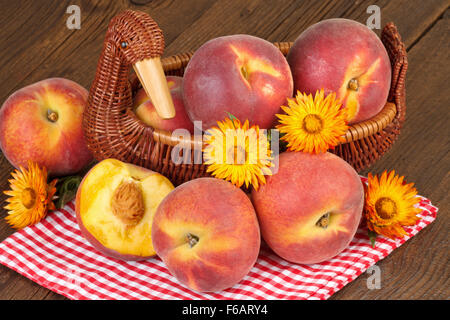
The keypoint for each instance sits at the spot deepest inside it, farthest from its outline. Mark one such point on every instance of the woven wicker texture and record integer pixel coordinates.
(113, 131)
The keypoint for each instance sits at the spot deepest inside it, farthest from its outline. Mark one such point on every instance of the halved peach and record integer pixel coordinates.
(115, 205)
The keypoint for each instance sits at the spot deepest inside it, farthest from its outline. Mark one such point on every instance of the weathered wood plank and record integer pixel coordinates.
(285, 20)
(44, 47)
(38, 46)
(418, 269)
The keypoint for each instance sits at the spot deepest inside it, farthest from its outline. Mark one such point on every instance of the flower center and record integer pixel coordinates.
(237, 153)
(28, 198)
(386, 208)
(312, 123)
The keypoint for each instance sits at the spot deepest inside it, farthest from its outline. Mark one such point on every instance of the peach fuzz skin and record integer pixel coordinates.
(330, 53)
(26, 133)
(306, 187)
(146, 112)
(223, 219)
(240, 74)
(97, 222)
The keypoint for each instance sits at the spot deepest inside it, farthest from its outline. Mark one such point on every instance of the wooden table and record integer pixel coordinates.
(36, 44)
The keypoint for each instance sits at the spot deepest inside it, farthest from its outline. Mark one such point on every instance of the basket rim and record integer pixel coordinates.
(355, 131)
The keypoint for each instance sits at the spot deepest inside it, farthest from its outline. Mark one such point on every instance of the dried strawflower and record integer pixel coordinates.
(390, 204)
(30, 197)
(238, 153)
(313, 125)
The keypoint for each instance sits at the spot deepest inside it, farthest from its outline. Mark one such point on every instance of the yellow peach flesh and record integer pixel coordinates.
(97, 215)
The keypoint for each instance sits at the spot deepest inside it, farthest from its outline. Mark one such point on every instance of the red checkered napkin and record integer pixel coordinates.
(55, 255)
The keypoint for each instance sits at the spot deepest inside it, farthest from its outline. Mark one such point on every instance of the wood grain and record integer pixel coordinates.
(418, 270)
(38, 45)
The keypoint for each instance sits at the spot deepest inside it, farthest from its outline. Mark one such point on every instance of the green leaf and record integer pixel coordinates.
(372, 237)
(66, 190)
(232, 117)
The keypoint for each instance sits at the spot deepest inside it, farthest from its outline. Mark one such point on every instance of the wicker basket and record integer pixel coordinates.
(113, 130)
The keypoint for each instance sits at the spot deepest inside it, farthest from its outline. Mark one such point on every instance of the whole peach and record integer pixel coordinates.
(310, 209)
(346, 57)
(146, 112)
(238, 74)
(42, 123)
(207, 234)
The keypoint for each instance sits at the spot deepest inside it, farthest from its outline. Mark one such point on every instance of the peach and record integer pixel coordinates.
(239, 74)
(115, 205)
(146, 112)
(310, 209)
(346, 57)
(207, 234)
(43, 123)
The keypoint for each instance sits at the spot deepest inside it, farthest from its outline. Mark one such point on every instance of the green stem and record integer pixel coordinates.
(67, 188)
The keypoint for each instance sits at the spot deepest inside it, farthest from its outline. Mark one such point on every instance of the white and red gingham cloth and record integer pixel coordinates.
(55, 255)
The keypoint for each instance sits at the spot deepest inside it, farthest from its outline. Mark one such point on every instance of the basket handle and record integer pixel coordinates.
(399, 62)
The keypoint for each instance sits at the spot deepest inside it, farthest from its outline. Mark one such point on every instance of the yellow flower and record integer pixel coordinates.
(30, 196)
(389, 204)
(238, 153)
(313, 125)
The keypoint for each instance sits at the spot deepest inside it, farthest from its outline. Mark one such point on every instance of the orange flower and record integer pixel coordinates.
(238, 153)
(30, 196)
(313, 125)
(389, 205)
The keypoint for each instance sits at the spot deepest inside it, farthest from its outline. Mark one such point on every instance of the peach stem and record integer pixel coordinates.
(324, 221)
(52, 115)
(244, 72)
(353, 84)
(192, 239)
